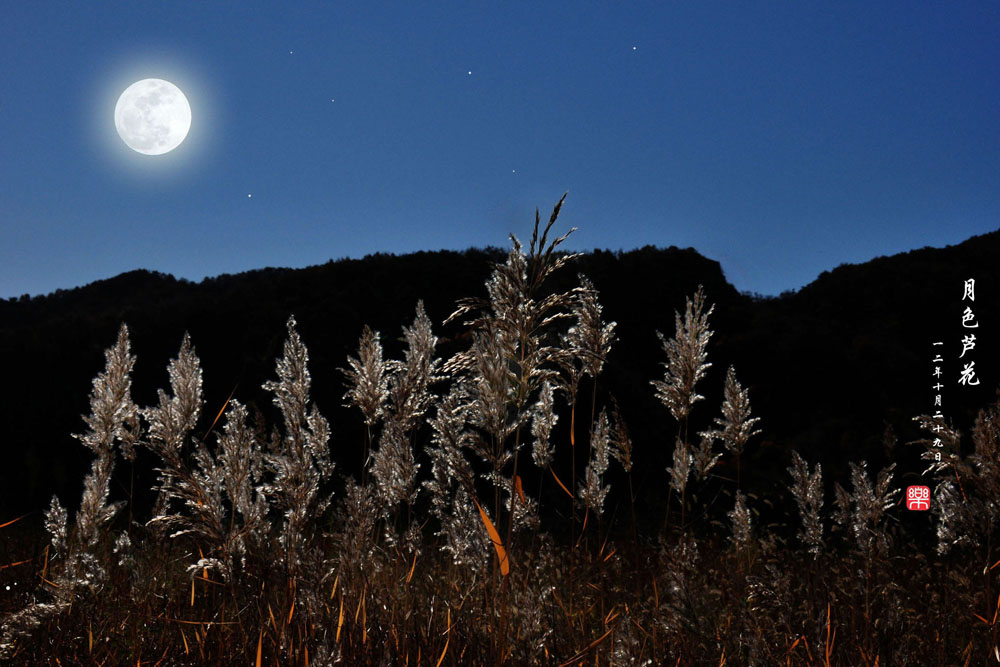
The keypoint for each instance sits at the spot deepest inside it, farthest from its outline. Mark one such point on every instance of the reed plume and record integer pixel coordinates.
(685, 365)
(300, 463)
(113, 421)
(807, 489)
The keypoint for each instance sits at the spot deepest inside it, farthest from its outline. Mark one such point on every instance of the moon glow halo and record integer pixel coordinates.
(152, 116)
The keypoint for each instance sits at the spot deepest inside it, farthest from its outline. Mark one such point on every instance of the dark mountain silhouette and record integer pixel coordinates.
(835, 370)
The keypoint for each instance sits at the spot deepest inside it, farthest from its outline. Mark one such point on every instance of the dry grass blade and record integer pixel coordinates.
(584, 651)
(520, 490)
(260, 643)
(495, 538)
(340, 619)
(409, 576)
(555, 596)
(446, 641)
(788, 654)
(829, 639)
(274, 624)
(45, 562)
(224, 406)
(583, 528)
(20, 562)
(4, 525)
(559, 482)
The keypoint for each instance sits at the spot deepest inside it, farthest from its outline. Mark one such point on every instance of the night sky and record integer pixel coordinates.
(780, 138)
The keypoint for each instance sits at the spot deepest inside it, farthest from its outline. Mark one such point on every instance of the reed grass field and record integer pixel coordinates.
(494, 521)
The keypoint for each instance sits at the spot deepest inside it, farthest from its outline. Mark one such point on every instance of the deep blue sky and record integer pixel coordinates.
(780, 138)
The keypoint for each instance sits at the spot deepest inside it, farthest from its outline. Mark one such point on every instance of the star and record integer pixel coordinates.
(249, 196)
(291, 52)
(470, 73)
(633, 48)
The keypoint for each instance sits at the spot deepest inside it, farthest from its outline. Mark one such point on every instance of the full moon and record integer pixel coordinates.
(152, 116)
